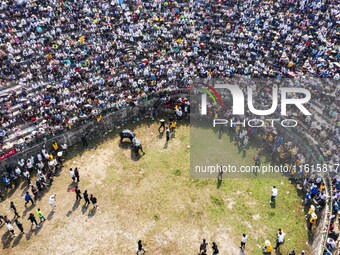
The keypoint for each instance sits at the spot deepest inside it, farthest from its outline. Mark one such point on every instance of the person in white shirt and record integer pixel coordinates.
(52, 201)
(243, 242)
(39, 157)
(72, 175)
(10, 228)
(274, 194)
(280, 239)
(17, 171)
(21, 163)
(64, 147)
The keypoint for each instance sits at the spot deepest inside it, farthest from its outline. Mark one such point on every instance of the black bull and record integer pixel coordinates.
(126, 134)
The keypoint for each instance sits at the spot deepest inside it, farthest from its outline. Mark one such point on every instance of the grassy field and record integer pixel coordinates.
(154, 199)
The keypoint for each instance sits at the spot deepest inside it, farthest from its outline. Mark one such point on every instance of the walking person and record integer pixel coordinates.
(41, 216)
(162, 125)
(10, 228)
(167, 134)
(32, 218)
(86, 198)
(140, 248)
(274, 194)
(19, 225)
(279, 239)
(14, 209)
(39, 185)
(34, 192)
(28, 198)
(173, 127)
(243, 242)
(76, 174)
(215, 249)
(73, 177)
(94, 201)
(78, 193)
(203, 246)
(27, 177)
(52, 201)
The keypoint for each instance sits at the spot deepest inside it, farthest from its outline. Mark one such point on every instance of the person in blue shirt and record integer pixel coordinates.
(28, 198)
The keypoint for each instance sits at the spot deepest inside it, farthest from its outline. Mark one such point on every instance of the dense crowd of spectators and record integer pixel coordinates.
(75, 60)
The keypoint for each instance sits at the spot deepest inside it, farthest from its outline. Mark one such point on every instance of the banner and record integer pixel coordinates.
(8, 154)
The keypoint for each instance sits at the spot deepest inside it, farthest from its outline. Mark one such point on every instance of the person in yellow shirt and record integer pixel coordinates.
(41, 216)
(55, 146)
(173, 126)
(268, 248)
(312, 220)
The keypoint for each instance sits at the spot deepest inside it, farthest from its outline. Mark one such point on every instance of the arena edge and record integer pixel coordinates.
(256, 123)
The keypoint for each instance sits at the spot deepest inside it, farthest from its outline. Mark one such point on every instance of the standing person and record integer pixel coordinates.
(78, 193)
(140, 248)
(64, 147)
(27, 177)
(274, 194)
(243, 242)
(173, 127)
(19, 225)
(94, 201)
(268, 248)
(28, 198)
(83, 140)
(162, 125)
(203, 246)
(41, 216)
(86, 198)
(76, 174)
(14, 209)
(34, 192)
(73, 177)
(32, 218)
(215, 249)
(52, 201)
(10, 228)
(167, 134)
(171, 119)
(279, 239)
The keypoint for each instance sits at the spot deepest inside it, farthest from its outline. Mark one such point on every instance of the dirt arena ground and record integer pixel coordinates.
(153, 199)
